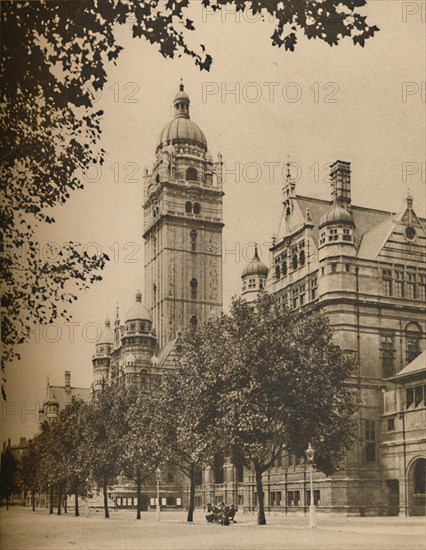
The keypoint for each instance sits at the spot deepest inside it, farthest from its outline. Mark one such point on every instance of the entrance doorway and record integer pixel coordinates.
(392, 497)
(417, 488)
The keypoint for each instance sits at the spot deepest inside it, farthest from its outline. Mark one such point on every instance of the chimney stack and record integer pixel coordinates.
(340, 175)
(67, 380)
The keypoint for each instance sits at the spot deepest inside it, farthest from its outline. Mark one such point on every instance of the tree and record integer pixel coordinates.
(70, 442)
(27, 472)
(55, 53)
(141, 456)
(188, 405)
(284, 386)
(8, 475)
(105, 430)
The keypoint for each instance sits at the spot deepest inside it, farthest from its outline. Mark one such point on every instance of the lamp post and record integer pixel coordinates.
(312, 517)
(157, 477)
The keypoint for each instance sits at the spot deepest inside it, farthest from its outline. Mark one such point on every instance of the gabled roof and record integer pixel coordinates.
(167, 355)
(416, 367)
(373, 241)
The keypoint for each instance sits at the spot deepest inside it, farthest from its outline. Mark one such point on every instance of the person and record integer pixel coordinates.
(232, 512)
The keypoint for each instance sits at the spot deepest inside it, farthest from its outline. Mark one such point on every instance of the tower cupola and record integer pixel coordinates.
(254, 277)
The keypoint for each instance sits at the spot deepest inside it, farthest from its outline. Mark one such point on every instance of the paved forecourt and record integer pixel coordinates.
(22, 529)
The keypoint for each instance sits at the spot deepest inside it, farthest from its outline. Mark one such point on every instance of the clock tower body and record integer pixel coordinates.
(182, 227)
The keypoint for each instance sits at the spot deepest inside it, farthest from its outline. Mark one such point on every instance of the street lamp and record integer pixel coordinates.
(157, 477)
(312, 518)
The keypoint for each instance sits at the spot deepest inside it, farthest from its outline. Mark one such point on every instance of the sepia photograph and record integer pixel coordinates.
(213, 275)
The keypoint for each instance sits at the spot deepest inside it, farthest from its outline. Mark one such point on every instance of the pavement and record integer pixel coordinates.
(22, 529)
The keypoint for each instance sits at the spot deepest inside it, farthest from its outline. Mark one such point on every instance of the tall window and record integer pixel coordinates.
(421, 289)
(302, 258)
(387, 282)
(191, 174)
(411, 286)
(193, 321)
(295, 298)
(294, 262)
(193, 236)
(302, 293)
(370, 440)
(197, 208)
(399, 284)
(387, 353)
(194, 285)
(313, 288)
(412, 341)
(188, 207)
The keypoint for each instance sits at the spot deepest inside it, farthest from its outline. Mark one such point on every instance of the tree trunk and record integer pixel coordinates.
(138, 495)
(66, 504)
(7, 502)
(106, 497)
(59, 500)
(261, 518)
(76, 510)
(191, 504)
(33, 500)
(51, 500)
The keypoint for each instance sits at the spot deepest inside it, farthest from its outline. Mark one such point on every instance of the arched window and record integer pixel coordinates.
(277, 271)
(194, 285)
(188, 206)
(197, 208)
(144, 380)
(193, 321)
(193, 236)
(284, 266)
(387, 363)
(412, 341)
(302, 257)
(294, 261)
(191, 174)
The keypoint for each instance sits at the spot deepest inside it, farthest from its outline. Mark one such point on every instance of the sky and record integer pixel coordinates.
(310, 108)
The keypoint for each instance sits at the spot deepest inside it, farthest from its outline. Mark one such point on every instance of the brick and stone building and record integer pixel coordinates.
(366, 269)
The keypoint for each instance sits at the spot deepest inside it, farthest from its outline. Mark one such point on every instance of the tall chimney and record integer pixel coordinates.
(340, 175)
(67, 380)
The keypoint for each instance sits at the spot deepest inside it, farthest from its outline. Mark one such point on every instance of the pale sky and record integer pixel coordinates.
(369, 125)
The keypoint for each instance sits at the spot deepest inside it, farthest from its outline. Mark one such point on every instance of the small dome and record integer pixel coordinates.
(107, 336)
(138, 312)
(53, 402)
(336, 214)
(255, 267)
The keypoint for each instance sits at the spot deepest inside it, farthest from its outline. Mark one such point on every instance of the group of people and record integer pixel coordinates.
(222, 513)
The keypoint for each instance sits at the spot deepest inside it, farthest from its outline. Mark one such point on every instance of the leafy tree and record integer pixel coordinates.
(284, 386)
(140, 456)
(27, 472)
(71, 446)
(188, 405)
(54, 53)
(8, 475)
(105, 429)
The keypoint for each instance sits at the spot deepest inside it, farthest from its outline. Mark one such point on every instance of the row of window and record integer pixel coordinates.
(415, 397)
(301, 294)
(404, 284)
(252, 284)
(295, 259)
(335, 234)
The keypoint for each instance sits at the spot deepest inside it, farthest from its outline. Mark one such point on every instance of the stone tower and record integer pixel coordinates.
(182, 227)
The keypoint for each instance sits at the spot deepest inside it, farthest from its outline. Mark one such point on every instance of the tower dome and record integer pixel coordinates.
(138, 312)
(182, 129)
(107, 335)
(336, 215)
(255, 267)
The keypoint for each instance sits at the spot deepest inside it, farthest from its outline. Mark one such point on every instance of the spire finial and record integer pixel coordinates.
(116, 311)
(181, 86)
(409, 198)
(139, 296)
